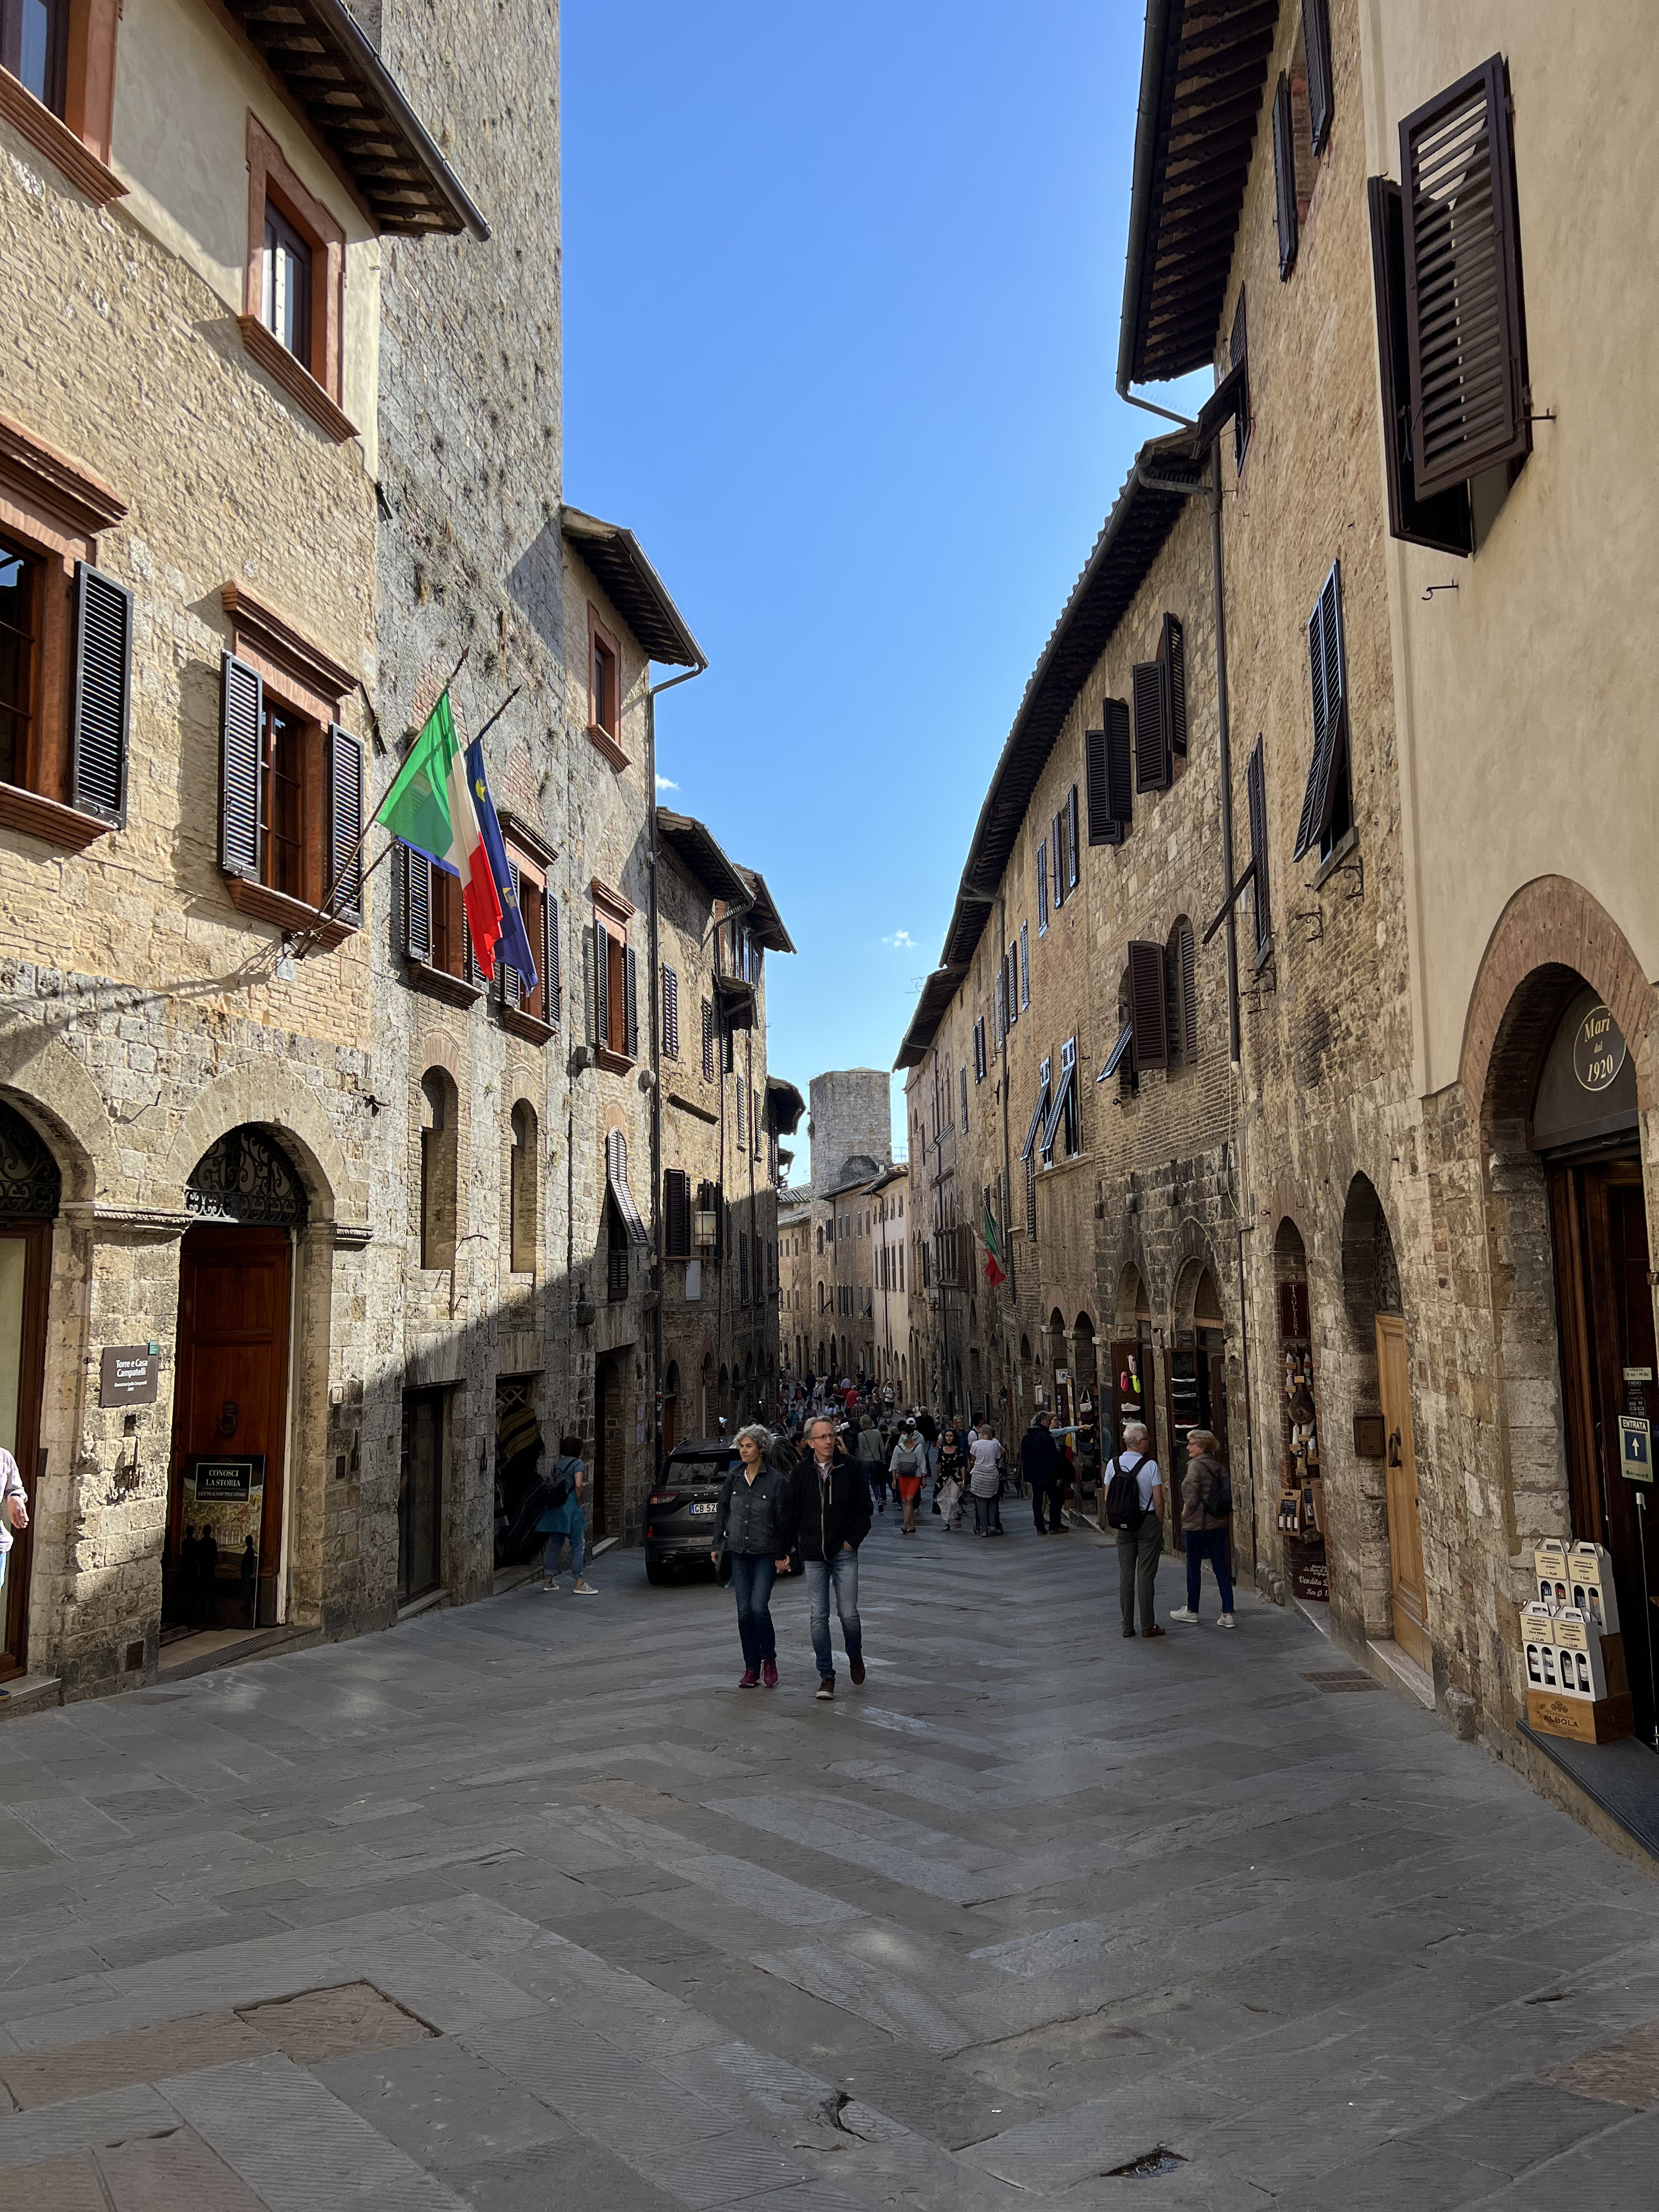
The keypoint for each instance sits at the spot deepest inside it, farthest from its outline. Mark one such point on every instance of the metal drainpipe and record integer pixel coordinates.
(652, 986)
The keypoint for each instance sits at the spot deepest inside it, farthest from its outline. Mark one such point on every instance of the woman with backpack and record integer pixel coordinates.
(1134, 1514)
(1206, 1515)
(907, 1466)
(563, 1520)
(872, 1462)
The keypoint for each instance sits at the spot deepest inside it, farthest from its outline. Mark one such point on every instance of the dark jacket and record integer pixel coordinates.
(828, 1514)
(1198, 1485)
(754, 1518)
(1039, 1456)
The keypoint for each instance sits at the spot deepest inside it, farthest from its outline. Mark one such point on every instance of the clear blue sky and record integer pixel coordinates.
(841, 315)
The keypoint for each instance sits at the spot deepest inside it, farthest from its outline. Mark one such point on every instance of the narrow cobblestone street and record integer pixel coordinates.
(1029, 1908)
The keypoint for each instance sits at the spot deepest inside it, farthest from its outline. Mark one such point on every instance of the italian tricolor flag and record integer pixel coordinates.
(429, 805)
(992, 1243)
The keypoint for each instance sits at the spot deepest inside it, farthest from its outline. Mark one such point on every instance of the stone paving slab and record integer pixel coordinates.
(955, 1941)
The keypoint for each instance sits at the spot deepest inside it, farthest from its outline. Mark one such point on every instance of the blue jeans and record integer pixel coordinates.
(577, 1533)
(753, 1574)
(1215, 1545)
(844, 1571)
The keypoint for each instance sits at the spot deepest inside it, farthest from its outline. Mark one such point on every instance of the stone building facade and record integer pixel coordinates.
(1351, 1212)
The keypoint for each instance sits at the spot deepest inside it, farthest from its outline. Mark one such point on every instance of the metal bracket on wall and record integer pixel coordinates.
(1353, 867)
(1433, 588)
(1315, 914)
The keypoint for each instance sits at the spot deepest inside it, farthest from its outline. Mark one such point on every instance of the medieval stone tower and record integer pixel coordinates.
(851, 1120)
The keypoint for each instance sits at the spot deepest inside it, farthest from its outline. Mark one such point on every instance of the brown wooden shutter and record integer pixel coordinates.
(601, 943)
(1445, 521)
(242, 727)
(1321, 90)
(417, 905)
(1466, 334)
(1149, 692)
(1285, 177)
(630, 1007)
(511, 983)
(552, 983)
(677, 1214)
(671, 1012)
(1255, 784)
(1072, 863)
(1187, 987)
(101, 708)
(1151, 1043)
(1057, 846)
(345, 823)
(1330, 712)
(1120, 770)
(469, 958)
(707, 1041)
(1102, 830)
(1239, 348)
(1043, 883)
(1174, 663)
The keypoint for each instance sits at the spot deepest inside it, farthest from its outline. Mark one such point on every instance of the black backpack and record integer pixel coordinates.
(1220, 1503)
(1123, 1507)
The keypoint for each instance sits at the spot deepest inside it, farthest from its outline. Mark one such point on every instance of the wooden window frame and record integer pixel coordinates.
(448, 973)
(611, 915)
(77, 143)
(52, 510)
(604, 736)
(523, 1237)
(315, 383)
(529, 1014)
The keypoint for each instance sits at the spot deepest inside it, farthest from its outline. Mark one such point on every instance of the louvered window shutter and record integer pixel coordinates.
(707, 1040)
(631, 1005)
(1149, 692)
(417, 905)
(506, 975)
(1175, 666)
(1120, 769)
(1072, 863)
(1057, 846)
(1255, 780)
(1030, 1195)
(1152, 1044)
(1465, 341)
(1237, 348)
(1042, 885)
(742, 1122)
(468, 957)
(241, 728)
(345, 823)
(1187, 981)
(1285, 178)
(1328, 684)
(1102, 830)
(1322, 93)
(552, 980)
(677, 1213)
(1024, 967)
(1444, 521)
(671, 1012)
(756, 1133)
(101, 717)
(601, 943)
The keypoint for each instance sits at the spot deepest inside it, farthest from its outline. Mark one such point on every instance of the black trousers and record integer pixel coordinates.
(1050, 1491)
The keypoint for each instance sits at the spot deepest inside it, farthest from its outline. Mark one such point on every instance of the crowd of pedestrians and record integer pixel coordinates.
(808, 1494)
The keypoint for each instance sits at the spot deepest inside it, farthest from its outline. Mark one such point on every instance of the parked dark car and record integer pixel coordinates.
(679, 1517)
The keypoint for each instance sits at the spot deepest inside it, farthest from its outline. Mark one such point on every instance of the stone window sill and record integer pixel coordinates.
(71, 155)
(1339, 853)
(517, 1024)
(614, 1063)
(291, 916)
(49, 820)
(438, 983)
(295, 379)
(604, 743)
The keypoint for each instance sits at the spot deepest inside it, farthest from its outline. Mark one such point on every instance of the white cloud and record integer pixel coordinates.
(900, 940)
(666, 783)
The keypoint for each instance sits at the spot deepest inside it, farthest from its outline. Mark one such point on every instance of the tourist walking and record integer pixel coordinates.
(1134, 1513)
(1039, 1460)
(1206, 1515)
(563, 1518)
(985, 1481)
(951, 1473)
(829, 1509)
(873, 1459)
(907, 1466)
(754, 1529)
(14, 1518)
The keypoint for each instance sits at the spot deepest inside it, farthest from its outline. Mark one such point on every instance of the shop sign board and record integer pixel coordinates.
(226, 1481)
(1635, 1447)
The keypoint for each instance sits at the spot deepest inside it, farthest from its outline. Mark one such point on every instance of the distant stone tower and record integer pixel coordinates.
(851, 1118)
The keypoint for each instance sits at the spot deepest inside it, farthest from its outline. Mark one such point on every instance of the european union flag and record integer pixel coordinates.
(514, 947)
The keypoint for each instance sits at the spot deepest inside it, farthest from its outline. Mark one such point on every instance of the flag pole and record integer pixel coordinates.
(499, 712)
(325, 911)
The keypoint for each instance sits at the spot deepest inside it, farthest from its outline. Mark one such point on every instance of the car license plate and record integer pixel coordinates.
(703, 1508)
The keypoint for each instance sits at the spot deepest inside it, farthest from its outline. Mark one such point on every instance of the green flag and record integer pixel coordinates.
(417, 806)
(993, 1272)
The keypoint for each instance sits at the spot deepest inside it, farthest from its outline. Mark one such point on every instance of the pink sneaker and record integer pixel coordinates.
(769, 1674)
(751, 1680)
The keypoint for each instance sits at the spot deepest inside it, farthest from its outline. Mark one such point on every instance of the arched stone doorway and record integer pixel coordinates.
(1393, 1593)
(1298, 1389)
(227, 1531)
(1129, 1395)
(1196, 1393)
(31, 1192)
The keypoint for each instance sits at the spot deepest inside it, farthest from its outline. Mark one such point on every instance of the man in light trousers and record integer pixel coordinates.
(1139, 1549)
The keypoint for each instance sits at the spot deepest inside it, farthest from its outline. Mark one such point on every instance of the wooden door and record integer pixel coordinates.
(1405, 1520)
(420, 1495)
(25, 1269)
(1620, 1364)
(230, 1391)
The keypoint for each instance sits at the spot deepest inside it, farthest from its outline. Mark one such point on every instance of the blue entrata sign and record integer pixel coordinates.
(1635, 1448)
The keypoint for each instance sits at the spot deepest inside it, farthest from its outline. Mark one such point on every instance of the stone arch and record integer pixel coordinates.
(42, 1078)
(1550, 928)
(1131, 1306)
(1191, 1258)
(268, 1100)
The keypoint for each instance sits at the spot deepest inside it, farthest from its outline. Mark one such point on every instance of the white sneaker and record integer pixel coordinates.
(1226, 1621)
(1181, 1614)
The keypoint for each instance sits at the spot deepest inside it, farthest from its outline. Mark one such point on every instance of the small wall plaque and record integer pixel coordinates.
(1370, 1437)
(127, 1375)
